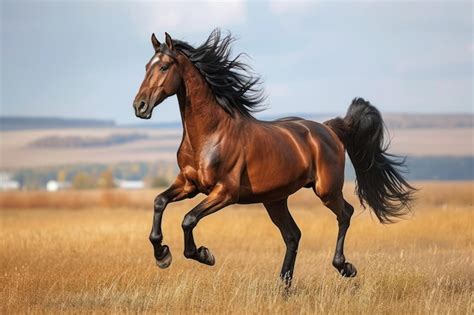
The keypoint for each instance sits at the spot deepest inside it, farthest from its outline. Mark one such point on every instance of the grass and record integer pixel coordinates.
(93, 255)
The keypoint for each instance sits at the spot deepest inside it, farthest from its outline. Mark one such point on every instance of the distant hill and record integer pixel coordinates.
(408, 120)
(8, 123)
(396, 121)
(61, 142)
(392, 120)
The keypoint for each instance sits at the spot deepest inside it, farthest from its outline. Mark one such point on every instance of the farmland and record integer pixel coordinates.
(20, 149)
(87, 251)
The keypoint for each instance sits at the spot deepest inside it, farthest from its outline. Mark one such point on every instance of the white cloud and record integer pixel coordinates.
(188, 17)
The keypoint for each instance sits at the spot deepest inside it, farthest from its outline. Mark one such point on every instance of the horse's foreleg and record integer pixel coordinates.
(343, 211)
(177, 191)
(217, 199)
(281, 217)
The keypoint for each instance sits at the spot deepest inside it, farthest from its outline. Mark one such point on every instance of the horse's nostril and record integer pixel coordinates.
(142, 107)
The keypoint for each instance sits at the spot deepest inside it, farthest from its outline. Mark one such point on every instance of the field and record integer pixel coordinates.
(89, 252)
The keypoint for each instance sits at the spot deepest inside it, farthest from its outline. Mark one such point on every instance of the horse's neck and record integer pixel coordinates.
(200, 113)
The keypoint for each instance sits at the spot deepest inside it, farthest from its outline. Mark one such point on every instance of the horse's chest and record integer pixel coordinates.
(203, 168)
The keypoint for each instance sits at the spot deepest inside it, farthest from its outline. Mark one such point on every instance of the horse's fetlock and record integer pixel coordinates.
(155, 238)
(338, 262)
(190, 253)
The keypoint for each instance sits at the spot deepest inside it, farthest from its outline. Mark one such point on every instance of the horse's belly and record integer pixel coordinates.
(253, 195)
(274, 184)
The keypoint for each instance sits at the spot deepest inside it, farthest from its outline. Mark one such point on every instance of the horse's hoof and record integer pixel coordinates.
(205, 256)
(164, 261)
(348, 271)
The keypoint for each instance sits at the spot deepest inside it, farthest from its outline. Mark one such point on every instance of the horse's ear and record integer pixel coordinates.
(155, 42)
(169, 41)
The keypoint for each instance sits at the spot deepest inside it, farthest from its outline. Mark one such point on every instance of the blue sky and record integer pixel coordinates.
(87, 58)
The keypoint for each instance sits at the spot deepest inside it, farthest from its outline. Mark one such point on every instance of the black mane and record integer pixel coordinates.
(235, 86)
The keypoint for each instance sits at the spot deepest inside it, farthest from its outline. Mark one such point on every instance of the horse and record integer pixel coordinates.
(234, 158)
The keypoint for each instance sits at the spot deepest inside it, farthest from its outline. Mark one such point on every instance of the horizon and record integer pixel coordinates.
(88, 58)
(270, 116)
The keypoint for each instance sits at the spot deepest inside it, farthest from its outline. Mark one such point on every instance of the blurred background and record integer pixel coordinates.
(70, 70)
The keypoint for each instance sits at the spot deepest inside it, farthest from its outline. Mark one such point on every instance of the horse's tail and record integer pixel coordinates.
(379, 181)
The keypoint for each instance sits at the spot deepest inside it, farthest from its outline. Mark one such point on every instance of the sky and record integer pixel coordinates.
(86, 59)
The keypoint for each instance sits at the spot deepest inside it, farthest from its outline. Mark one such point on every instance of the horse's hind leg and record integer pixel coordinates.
(281, 217)
(343, 210)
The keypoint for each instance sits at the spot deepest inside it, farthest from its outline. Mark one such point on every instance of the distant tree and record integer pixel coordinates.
(159, 181)
(33, 182)
(106, 179)
(61, 176)
(83, 181)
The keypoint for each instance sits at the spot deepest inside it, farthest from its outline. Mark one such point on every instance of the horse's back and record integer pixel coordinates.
(319, 139)
(321, 135)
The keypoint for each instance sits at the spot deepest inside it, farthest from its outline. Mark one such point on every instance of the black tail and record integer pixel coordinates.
(379, 181)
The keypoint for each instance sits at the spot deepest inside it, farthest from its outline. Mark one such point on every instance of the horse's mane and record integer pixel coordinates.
(235, 86)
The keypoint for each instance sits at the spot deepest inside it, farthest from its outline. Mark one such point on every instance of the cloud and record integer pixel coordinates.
(188, 17)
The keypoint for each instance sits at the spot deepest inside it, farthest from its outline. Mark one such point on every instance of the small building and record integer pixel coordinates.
(54, 185)
(130, 184)
(7, 183)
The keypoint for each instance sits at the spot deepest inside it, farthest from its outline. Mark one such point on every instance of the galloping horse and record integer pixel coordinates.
(231, 157)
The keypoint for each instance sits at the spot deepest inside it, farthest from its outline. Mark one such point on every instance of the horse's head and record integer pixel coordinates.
(162, 78)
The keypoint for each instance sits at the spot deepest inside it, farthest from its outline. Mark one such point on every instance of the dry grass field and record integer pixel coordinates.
(76, 252)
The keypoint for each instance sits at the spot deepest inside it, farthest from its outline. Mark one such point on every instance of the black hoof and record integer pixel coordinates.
(205, 256)
(164, 261)
(348, 271)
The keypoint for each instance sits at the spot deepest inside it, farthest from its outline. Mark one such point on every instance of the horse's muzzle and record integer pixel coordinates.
(142, 109)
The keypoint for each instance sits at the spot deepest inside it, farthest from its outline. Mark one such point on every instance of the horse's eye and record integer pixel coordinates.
(164, 68)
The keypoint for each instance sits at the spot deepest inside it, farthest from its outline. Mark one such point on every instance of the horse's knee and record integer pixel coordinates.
(189, 222)
(160, 203)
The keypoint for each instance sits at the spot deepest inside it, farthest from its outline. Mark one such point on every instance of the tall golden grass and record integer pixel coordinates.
(76, 252)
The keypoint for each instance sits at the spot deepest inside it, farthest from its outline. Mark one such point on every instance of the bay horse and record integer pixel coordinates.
(233, 158)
